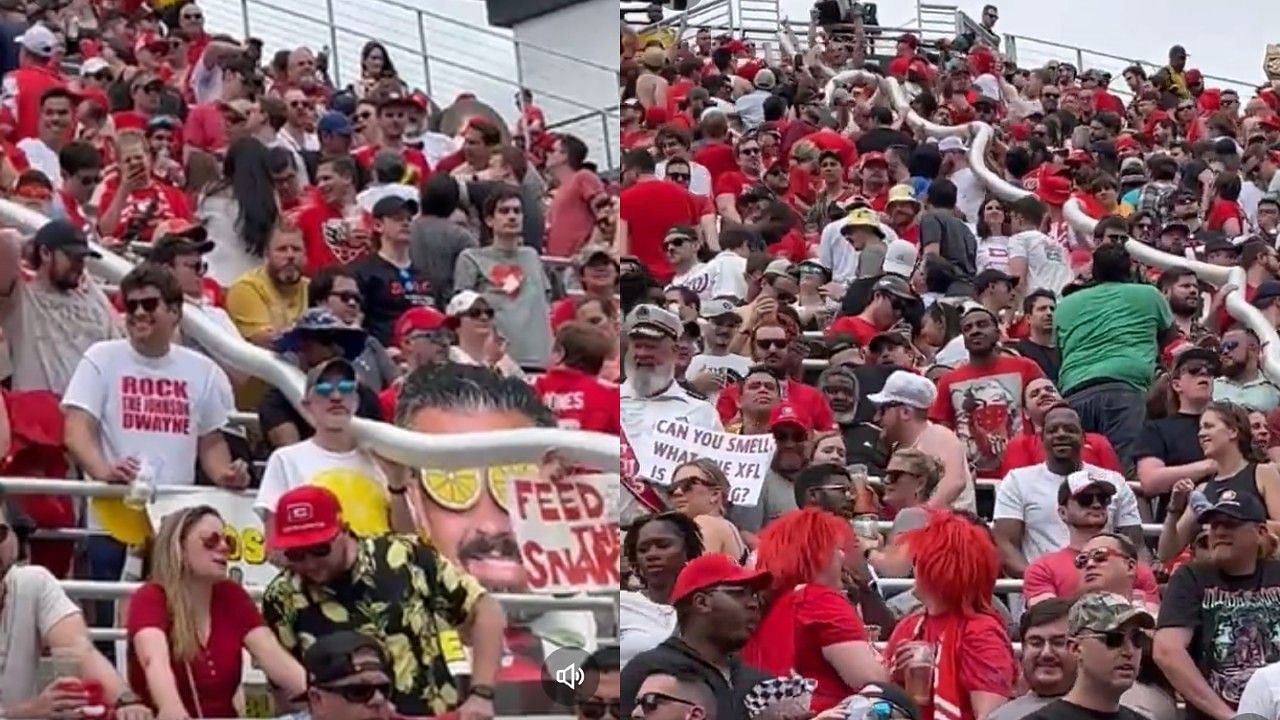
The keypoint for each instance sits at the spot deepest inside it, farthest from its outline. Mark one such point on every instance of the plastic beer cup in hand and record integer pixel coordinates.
(917, 671)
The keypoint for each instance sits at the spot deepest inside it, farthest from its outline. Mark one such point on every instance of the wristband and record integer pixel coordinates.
(482, 691)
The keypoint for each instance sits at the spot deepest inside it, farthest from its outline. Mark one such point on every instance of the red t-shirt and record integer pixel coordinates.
(795, 630)
(983, 404)
(1027, 449)
(1056, 574)
(387, 398)
(717, 158)
(580, 401)
(791, 246)
(731, 183)
(984, 655)
(855, 326)
(650, 209)
(205, 128)
(326, 235)
(806, 398)
(1225, 320)
(1220, 212)
(24, 87)
(159, 201)
(570, 219)
(216, 670)
(412, 159)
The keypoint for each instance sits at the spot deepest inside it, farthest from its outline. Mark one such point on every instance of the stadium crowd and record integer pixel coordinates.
(447, 277)
(913, 442)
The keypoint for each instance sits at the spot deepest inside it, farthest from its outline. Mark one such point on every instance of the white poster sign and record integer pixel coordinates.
(567, 531)
(744, 458)
(247, 562)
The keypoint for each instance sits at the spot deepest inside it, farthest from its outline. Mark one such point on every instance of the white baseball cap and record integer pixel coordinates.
(906, 388)
(900, 258)
(39, 41)
(461, 302)
(93, 66)
(951, 143)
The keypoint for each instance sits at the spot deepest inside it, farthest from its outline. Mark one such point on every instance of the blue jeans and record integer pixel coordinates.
(105, 557)
(1115, 410)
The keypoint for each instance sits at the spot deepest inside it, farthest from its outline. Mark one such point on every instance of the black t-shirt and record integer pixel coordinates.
(881, 139)
(1048, 358)
(1175, 440)
(1063, 710)
(275, 410)
(1233, 620)
(388, 291)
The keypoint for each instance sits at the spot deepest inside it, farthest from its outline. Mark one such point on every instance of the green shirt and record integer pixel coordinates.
(1110, 331)
(401, 592)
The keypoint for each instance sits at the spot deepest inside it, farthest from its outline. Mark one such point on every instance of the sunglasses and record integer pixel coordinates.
(769, 344)
(686, 484)
(215, 540)
(596, 709)
(105, 76)
(1099, 555)
(786, 298)
(679, 177)
(146, 304)
(315, 551)
(327, 388)
(674, 243)
(749, 151)
(1198, 370)
(359, 694)
(795, 437)
(296, 104)
(1114, 237)
(1115, 638)
(193, 16)
(1089, 499)
(349, 297)
(651, 701)
(477, 313)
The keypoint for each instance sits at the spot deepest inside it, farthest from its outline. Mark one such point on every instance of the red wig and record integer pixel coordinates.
(799, 545)
(956, 561)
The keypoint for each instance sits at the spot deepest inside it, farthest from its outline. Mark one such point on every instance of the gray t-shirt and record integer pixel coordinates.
(1020, 707)
(33, 604)
(777, 496)
(48, 331)
(515, 286)
(434, 246)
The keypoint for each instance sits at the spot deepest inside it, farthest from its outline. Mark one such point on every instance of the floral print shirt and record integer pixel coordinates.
(399, 591)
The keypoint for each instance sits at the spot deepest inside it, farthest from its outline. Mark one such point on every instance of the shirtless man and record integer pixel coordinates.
(651, 88)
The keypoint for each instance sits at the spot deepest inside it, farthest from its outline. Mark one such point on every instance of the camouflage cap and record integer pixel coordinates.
(1103, 612)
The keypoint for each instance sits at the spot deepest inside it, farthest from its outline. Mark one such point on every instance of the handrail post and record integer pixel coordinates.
(608, 141)
(1079, 60)
(244, 12)
(426, 61)
(333, 41)
(1011, 48)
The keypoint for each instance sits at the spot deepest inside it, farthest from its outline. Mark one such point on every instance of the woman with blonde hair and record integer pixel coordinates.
(189, 625)
(700, 492)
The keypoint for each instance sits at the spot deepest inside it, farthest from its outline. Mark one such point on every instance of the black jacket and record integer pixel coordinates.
(674, 656)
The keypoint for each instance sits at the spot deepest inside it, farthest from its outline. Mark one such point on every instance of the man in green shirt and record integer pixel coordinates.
(1110, 334)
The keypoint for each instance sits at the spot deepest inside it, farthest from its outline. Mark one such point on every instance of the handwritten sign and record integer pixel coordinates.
(567, 531)
(247, 560)
(743, 458)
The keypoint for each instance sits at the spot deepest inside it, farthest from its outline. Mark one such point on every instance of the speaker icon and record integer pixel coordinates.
(571, 676)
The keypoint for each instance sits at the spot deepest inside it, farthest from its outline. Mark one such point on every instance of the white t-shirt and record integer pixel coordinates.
(1030, 495)
(720, 365)
(33, 604)
(642, 624)
(43, 158)
(348, 474)
(993, 252)
(695, 278)
(1262, 693)
(970, 192)
(724, 275)
(155, 409)
(1047, 267)
(699, 177)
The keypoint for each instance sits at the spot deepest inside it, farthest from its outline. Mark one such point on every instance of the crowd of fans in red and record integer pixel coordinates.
(959, 386)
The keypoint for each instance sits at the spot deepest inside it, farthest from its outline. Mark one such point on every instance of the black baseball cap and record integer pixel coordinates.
(894, 285)
(393, 205)
(1268, 290)
(65, 236)
(1196, 353)
(991, 276)
(1245, 507)
(332, 657)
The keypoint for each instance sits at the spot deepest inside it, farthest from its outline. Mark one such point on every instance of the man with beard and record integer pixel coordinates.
(1218, 618)
(982, 399)
(52, 317)
(650, 392)
(1241, 380)
(840, 386)
(771, 342)
(903, 415)
(461, 399)
(264, 302)
(1027, 522)
(717, 609)
(1048, 668)
(1181, 288)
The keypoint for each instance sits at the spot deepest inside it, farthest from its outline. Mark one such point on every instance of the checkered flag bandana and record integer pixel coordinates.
(780, 697)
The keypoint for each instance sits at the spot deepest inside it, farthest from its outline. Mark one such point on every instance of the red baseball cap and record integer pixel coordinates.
(1053, 190)
(873, 157)
(786, 413)
(306, 516)
(1127, 142)
(708, 571)
(418, 319)
(1194, 76)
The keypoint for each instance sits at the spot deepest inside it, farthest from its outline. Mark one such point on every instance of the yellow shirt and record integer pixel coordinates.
(255, 304)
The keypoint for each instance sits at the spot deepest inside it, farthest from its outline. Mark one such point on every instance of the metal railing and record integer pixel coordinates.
(441, 54)
(1033, 52)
